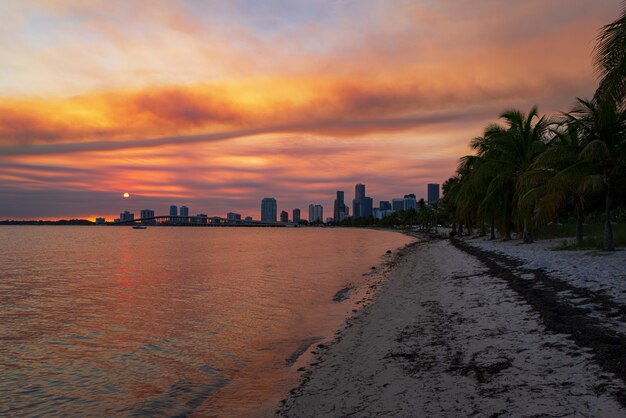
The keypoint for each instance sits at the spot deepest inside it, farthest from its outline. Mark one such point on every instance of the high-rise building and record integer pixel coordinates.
(384, 205)
(340, 210)
(296, 216)
(145, 216)
(316, 213)
(147, 213)
(284, 216)
(410, 202)
(397, 204)
(184, 211)
(127, 216)
(268, 210)
(359, 195)
(433, 194)
(173, 210)
(367, 207)
(232, 216)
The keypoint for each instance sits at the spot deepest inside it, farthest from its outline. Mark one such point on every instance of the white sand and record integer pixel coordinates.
(443, 339)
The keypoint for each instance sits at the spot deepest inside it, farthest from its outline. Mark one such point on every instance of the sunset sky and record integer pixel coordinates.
(217, 104)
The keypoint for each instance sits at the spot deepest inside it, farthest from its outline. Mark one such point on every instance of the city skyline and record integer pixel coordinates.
(272, 207)
(217, 104)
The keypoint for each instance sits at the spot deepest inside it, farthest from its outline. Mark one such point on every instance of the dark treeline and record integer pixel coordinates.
(529, 170)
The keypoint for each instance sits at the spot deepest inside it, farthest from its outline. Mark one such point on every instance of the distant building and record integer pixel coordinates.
(100, 221)
(410, 202)
(232, 216)
(367, 207)
(147, 213)
(340, 209)
(284, 216)
(184, 212)
(202, 218)
(316, 213)
(359, 196)
(248, 218)
(127, 216)
(296, 216)
(384, 205)
(145, 216)
(268, 210)
(380, 214)
(173, 210)
(329, 220)
(397, 204)
(433, 194)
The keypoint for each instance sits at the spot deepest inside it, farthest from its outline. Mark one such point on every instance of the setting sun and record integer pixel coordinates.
(126, 195)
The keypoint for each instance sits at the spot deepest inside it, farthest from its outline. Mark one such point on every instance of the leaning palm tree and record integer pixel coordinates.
(508, 152)
(602, 125)
(610, 60)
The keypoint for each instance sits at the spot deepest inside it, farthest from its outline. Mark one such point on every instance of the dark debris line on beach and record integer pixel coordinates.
(541, 292)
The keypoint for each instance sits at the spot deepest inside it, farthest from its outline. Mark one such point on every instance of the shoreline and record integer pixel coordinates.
(449, 334)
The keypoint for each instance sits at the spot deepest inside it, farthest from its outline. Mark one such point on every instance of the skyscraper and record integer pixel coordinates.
(296, 216)
(184, 211)
(284, 216)
(147, 213)
(359, 195)
(397, 204)
(410, 202)
(367, 207)
(340, 209)
(433, 193)
(173, 214)
(268, 210)
(384, 205)
(316, 213)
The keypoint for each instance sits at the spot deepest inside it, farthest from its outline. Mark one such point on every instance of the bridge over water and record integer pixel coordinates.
(201, 221)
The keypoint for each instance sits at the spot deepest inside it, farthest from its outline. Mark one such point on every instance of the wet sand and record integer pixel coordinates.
(457, 331)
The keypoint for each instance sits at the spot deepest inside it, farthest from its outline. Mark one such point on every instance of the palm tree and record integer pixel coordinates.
(559, 176)
(610, 60)
(507, 152)
(602, 125)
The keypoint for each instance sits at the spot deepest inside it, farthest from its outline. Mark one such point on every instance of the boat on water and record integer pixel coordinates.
(140, 227)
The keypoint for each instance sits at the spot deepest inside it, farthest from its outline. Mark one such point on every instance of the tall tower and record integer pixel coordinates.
(296, 216)
(268, 209)
(340, 209)
(357, 203)
(433, 193)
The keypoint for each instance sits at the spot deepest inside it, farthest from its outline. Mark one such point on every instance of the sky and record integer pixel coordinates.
(218, 104)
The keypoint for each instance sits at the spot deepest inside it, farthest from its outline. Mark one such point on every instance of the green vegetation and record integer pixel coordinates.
(530, 170)
(425, 218)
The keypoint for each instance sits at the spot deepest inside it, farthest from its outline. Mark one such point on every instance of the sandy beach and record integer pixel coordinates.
(467, 327)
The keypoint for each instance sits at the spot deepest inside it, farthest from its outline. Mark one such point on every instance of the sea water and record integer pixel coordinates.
(167, 321)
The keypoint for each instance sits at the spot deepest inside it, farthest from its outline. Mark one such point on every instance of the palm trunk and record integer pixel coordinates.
(493, 227)
(483, 230)
(579, 225)
(527, 235)
(608, 230)
(508, 217)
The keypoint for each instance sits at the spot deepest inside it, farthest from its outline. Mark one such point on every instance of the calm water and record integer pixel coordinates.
(111, 321)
